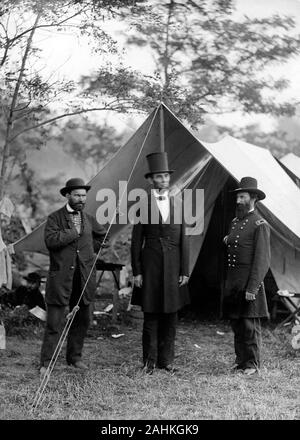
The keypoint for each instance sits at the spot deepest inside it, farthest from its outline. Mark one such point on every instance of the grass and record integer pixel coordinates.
(116, 388)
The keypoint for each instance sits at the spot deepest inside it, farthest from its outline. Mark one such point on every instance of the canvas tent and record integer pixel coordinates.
(291, 162)
(216, 168)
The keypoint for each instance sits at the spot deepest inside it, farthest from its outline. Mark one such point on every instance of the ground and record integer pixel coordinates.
(116, 388)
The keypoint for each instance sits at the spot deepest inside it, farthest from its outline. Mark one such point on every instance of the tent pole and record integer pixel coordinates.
(221, 257)
(162, 129)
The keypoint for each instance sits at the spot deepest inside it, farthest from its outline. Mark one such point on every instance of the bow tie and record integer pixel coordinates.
(74, 212)
(161, 197)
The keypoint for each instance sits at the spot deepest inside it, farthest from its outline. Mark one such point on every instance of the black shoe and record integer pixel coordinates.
(80, 365)
(250, 371)
(169, 369)
(234, 368)
(43, 371)
(148, 368)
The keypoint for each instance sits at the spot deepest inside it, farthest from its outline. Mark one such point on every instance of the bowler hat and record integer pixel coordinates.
(34, 277)
(75, 183)
(249, 184)
(158, 163)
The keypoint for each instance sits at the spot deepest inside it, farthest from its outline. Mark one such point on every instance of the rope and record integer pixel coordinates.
(71, 315)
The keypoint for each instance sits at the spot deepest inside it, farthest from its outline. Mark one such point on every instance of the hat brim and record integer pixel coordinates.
(67, 189)
(157, 172)
(261, 195)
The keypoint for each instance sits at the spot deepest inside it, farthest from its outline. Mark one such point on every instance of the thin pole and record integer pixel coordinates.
(71, 315)
(162, 129)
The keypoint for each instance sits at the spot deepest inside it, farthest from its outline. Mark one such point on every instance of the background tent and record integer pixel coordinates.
(216, 168)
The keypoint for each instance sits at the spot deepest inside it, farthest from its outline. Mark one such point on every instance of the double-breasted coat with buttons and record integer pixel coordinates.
(248, 260)
(160, 252)
(68, 248)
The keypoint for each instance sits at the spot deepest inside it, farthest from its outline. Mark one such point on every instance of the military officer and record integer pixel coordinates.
(159, 256)
(248, 260)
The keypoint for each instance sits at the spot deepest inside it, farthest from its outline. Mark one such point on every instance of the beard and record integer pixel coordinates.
(77, 206)
(242, 210)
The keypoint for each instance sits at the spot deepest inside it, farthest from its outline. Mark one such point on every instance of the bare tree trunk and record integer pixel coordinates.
(166, 53)
(10, 118)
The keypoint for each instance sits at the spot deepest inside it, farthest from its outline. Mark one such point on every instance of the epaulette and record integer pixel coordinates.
(260, 222)
(234, 220)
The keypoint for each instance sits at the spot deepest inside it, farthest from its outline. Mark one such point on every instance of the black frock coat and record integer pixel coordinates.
(160, 252)
(68, 249)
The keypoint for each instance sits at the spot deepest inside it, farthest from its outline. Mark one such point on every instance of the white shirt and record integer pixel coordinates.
(163, 205)
(76, 220)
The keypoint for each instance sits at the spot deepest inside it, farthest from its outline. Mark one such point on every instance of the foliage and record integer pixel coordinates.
(207, 61)
(90, 144)
(33, 101)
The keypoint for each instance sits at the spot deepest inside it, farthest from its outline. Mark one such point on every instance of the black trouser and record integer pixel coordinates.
(159, 331)
(247, 341)
(56, 322)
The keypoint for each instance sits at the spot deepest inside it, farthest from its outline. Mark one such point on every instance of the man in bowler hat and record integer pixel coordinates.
(159, 256)
(72, 238)
(248, 260)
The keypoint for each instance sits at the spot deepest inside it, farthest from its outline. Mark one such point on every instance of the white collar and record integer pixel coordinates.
(69, 209)
(157, 194)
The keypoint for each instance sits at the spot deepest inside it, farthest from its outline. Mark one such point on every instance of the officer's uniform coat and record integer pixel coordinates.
(159, 252)
(68, 249)
(248, 260)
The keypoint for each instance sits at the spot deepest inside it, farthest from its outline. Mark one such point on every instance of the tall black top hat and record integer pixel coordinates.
(158, 163)
(75, 183)
(249, 184)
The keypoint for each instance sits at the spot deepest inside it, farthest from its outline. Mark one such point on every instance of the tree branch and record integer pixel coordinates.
(6, 147)
(47, 25)
(11, 41)
(56, 118)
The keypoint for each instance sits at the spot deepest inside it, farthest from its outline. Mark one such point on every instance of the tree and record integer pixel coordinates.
(207, 61)
(27, 98)
(89, 144)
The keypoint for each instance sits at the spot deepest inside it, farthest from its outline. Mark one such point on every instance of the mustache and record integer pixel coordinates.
(78, 205)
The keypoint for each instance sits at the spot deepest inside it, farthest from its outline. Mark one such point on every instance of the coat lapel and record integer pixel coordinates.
(154, 212)
(66, 216)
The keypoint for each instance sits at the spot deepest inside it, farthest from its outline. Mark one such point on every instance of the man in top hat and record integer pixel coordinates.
(159, 255)
(248, 260)
(72, 238)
